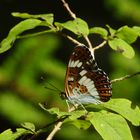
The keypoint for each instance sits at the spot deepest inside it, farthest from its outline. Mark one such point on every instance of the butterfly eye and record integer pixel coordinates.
(63, 95)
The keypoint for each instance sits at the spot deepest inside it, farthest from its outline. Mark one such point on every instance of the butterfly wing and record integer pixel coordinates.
(84, 81)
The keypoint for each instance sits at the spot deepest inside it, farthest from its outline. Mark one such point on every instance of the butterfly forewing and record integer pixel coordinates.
(84, 81)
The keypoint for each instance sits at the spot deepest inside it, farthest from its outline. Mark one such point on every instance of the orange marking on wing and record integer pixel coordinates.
(83, 89)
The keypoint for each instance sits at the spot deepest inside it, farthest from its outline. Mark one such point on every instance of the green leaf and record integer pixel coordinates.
(54, 111)
(99, 30)
(122, 47)
(76, 114)
(110, 126)
(137, 30)
(77, 26)
(111, 30)
(81, 124)
(15, 31)
(77, 118)
(49, 18)
(127, 34)
(9, 135)
(124, 107)
(29, 126)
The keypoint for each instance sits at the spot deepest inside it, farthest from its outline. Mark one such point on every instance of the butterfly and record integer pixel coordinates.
(85, 83)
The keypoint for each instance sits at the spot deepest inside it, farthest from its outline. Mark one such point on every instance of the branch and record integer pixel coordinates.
(88, 42)
(68, 9)
(73, 15)
(100, 46)
(125, 77)
(58, 126)
(72, 39)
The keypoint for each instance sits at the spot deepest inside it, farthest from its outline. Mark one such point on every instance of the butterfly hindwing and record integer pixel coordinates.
(85, 82)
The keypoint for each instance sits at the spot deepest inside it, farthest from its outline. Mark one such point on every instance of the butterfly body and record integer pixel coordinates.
(85, 83)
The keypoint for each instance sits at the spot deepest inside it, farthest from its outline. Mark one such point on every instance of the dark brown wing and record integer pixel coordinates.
(84, 76)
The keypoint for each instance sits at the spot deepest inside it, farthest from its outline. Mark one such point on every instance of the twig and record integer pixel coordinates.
(34, 34)
(57, 127)
(125, 77)
(68, 9)
(72, 39)
(100, 46)
(88, 41)
(73, 15)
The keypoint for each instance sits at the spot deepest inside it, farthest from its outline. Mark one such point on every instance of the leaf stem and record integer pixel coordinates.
(73, 15)
(35, 34)
(72, 39)
(57, 127)
(88, 42)
(125, 77)
(100, 45)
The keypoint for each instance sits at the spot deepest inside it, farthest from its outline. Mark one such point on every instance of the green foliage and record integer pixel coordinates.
(49, 18)
(118, 40)
(110, 126)
(121, 66)
(137, 30)
(28, 126)
(99, 30)
(9, 135)
(7, 43)
(126, 10)
(123, 107)
(13, 107)
(127, 34)
(121, 46)
(35, 55)
(77, 26)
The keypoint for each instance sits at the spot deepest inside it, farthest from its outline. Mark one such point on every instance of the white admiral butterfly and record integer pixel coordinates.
(85, 83)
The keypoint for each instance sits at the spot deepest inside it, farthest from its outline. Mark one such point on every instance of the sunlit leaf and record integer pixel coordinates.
(124, 107)
(29, 126)
(137, 30)
(76, 114)
(77, 26)
(127, 34)
(49, 18)
(16, 30)
(111, 30)
(9, 135)
(99, 30)
(55, 111)
(122, 47)
(81, 124)
(110, 126)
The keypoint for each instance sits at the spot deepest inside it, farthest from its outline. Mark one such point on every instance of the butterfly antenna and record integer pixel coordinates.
(62, 94)
(50, 88)
(55, 88)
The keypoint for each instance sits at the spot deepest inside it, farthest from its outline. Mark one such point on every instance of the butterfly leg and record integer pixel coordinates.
(74, 105)
(67, 102)
(86, 112)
